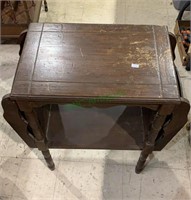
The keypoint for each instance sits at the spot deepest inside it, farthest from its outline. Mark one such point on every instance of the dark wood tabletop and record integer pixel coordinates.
(82, 60)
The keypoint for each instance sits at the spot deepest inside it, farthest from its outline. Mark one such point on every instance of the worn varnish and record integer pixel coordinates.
(96, 60)
(89, 86)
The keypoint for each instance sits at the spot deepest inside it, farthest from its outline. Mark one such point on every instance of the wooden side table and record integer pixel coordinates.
(88, 86)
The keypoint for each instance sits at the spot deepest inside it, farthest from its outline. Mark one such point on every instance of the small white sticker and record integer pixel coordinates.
(134, 65)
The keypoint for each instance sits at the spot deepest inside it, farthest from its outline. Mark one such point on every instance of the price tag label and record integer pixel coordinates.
(133, 65)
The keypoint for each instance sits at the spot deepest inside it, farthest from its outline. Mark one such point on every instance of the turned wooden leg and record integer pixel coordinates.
(142, 159)
(21, 40)
(48, 159)
(36, 133)
(156, 126)
(45, 6)
(40, 139)
(173, 44)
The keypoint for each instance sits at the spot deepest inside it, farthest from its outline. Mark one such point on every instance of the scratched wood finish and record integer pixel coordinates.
(84, 60)
(92, 66)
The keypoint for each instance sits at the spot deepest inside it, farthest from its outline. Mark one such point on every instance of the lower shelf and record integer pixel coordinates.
(118, 127)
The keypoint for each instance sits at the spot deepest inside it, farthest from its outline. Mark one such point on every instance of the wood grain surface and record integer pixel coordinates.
(131, 62)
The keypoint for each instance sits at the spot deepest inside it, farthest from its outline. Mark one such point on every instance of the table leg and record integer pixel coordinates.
(172, 44)
(48, 159)
(46, 6)
(156, 126)
(39, 137)
(21, 40)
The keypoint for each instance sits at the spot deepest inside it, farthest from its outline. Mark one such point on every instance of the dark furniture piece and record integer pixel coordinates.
(17, 15)
(184, 51)
(86, 86)
(45, 6)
